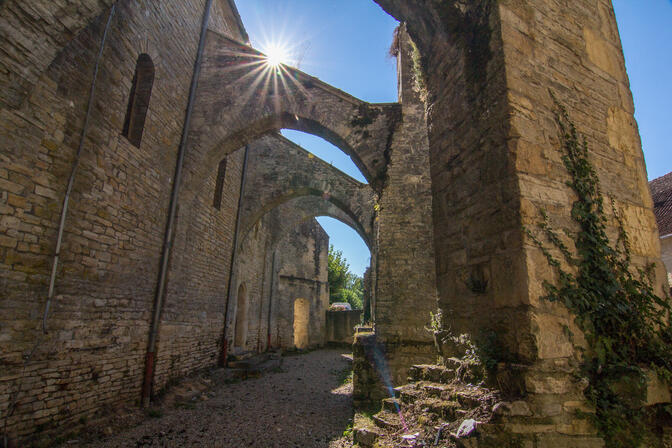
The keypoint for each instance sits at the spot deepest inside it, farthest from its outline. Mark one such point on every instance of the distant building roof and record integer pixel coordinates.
(661, 191)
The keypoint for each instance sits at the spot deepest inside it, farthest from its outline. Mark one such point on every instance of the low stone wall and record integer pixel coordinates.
(369, 370)
(341, 325)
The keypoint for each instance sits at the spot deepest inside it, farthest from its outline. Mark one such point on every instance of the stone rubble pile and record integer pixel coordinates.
(436, 408)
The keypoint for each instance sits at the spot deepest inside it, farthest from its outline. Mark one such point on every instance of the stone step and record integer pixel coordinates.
(438, 390)
(467, 400)
(407, 393)
(391, 404)
(444, 409)
(387, 420)
(430, 372)
(365, 437)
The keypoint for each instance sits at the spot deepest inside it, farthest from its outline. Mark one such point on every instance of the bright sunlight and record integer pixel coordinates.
(276, 54)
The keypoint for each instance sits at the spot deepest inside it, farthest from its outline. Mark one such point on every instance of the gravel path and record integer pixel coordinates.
(303, 405)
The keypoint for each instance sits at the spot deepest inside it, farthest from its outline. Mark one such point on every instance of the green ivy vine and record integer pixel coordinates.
(626, 325)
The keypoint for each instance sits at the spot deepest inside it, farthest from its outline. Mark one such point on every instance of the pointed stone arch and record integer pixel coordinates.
(301, 102)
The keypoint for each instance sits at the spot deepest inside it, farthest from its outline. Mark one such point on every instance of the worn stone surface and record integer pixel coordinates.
(495, 162)
(94, 352)
(341, 325)
(406, 271)
(273, 279)
(280, 171)
(468, 156)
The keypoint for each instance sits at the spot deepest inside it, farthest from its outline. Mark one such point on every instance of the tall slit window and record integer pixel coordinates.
(219, 185)
(138, 101)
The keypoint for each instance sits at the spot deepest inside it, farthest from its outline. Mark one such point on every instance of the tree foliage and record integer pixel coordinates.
(344, 286)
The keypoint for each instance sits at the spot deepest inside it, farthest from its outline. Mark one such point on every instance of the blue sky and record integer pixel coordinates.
(345, 43)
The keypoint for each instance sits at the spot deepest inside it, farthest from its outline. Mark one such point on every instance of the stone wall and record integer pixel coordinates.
(285, 188)
(496, 162)
(469, 156)
(280, 170)
(253, 270)
(405, 273)
(301, 261)
(341, 325)
(93, 354)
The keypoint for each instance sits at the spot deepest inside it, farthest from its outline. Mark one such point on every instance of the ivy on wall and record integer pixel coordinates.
(627, 327)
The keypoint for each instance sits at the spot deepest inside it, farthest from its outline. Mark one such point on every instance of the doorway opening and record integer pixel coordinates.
(301, 322)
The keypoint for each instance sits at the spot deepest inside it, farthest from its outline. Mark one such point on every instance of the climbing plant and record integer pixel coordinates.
(627, 327)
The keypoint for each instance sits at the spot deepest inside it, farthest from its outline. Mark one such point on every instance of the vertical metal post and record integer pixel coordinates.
(170, 226)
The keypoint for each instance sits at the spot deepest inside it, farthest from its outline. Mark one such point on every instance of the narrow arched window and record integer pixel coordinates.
(138, 101)
(219, 185)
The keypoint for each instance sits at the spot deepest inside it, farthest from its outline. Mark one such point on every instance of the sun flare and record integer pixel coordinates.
(276, 54)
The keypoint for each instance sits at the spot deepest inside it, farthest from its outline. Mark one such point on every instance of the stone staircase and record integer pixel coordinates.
(436, 408)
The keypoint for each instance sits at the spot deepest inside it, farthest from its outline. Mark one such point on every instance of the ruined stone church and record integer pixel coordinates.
(153, 220)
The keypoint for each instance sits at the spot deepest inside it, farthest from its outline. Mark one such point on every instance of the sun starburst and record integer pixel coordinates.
(277, 54)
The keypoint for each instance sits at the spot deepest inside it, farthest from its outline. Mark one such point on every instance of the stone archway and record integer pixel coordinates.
(280, 170)
(360, 129)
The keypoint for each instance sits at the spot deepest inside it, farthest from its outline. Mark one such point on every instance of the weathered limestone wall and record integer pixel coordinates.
(341, 325)
(277, 231)
(253, 270)
(406, 275)
(301, 263)
(193, 314)
(33, 34)
(576, 53)
(476, 232)
(93, 354)
(285, 188)
(495, 161)
(280, 170)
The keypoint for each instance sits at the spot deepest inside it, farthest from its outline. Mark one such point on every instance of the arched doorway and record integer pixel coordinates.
(301, 321)
(241, 318)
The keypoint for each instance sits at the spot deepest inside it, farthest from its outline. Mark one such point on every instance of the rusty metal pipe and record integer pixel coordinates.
(167, 240)
(73, 171)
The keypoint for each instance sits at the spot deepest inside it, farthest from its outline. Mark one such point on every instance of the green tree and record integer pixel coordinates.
(344, 286)
(338, 269)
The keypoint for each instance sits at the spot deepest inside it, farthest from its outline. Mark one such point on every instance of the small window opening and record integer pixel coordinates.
(219, 185)
(138, 101)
